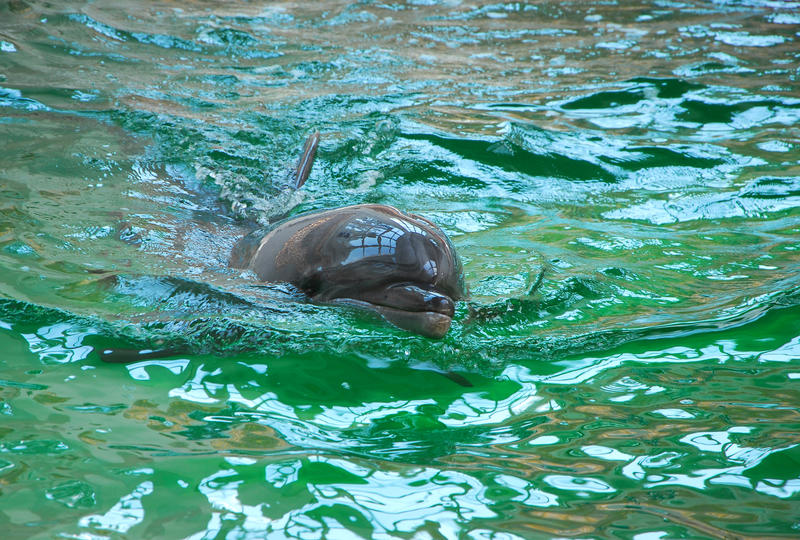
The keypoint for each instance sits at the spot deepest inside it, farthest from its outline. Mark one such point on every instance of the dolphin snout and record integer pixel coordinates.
(439, 303)
(409, 297)
(413, 307)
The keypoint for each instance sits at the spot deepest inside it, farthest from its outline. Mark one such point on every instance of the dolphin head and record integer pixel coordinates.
(399, 265)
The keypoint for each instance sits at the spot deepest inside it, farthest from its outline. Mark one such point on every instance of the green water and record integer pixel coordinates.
(643, 159)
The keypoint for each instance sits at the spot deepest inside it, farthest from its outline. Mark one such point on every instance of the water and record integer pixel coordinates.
(642, 159)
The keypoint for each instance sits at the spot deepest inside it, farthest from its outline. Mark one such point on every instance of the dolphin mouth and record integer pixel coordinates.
(409, 297)
(433, 322)
(418, 308)
(430, 324)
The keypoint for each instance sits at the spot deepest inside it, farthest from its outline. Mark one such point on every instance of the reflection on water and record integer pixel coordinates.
(668, 425)
(621, 181)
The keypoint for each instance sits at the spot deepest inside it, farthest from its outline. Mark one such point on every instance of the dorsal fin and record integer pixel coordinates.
(306, 160)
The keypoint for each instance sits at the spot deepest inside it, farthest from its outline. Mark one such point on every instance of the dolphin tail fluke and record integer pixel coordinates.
(306, 160)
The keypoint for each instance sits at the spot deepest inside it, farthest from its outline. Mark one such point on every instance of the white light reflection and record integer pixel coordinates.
(198, 390)
(604, 452)
(474, 409)
(267, 402)
(580, 371)
(528, 495)
(60, 343)
(578, 483)
(123, 515)
(543, 440)
(223, 495)
(392, 502)
(137, 371)
(674, 414)
(709, 442)
(714, 441)
(486, 534)
(701, 478)
(654, 535)
(280, 474)
(622, 399)
(785, 353)
(779, 488)
(470, 409)
(364, 414)
(635, 470)
(399, 503)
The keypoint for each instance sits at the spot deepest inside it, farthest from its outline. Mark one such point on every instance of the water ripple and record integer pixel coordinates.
(620, 181)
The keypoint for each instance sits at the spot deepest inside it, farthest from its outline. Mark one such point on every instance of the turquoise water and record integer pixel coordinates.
(641, 160)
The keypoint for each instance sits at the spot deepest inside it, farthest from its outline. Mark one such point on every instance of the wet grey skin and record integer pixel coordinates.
(372, 256)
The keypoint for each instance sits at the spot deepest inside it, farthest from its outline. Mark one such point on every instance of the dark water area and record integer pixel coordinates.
(620, 179)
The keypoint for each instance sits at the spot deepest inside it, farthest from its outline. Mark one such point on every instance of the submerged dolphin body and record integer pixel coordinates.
(399, 265)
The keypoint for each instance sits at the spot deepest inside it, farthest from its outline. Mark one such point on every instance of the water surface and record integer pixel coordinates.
(622, 181)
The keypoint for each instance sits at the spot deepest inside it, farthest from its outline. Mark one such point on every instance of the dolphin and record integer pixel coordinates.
(373, 256)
